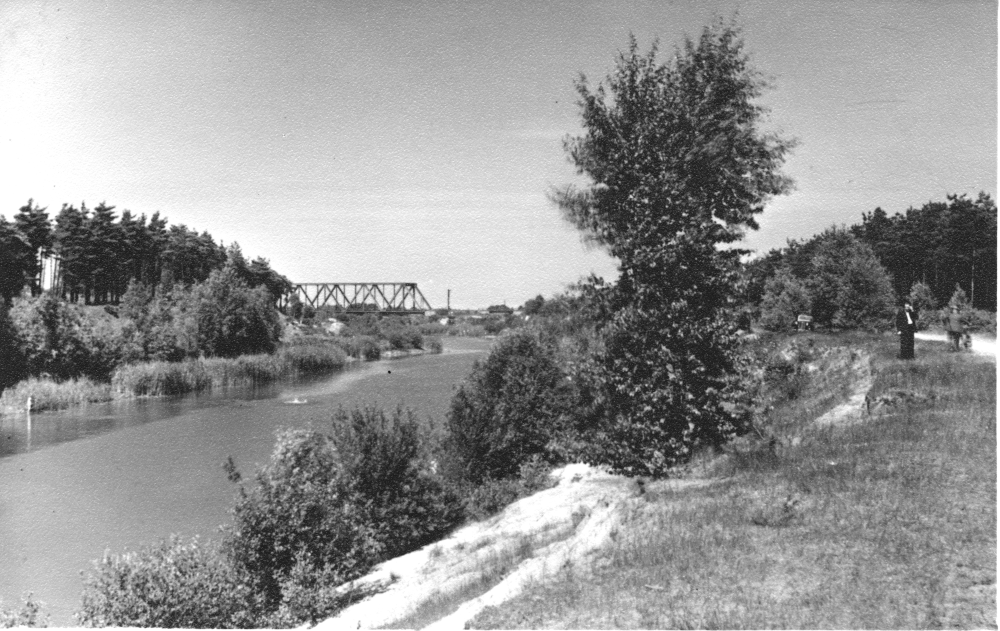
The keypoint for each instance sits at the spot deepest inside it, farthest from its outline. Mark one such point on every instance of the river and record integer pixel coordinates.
(127, 474)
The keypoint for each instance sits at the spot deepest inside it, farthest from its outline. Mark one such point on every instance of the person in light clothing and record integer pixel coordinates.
(954, 326)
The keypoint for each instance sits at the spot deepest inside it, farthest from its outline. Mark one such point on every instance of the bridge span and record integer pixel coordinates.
(361, 297)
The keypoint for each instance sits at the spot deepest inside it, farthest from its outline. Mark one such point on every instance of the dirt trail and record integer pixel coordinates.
(981, 344)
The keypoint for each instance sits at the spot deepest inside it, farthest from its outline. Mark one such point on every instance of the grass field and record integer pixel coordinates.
(886, 520)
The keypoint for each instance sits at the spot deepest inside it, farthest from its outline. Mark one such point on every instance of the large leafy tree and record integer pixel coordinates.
(678, 167)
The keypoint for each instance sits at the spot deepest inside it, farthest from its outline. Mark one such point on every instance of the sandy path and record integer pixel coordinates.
(982, 344)
(530, 541)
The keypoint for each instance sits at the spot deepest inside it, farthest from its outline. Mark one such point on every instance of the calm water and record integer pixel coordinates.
(125, 475)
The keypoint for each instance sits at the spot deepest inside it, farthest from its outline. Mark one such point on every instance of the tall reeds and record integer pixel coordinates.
(47, 394)
(168, 378)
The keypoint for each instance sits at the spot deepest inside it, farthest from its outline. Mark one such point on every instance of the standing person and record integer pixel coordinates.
(906, 326)
(953, 325)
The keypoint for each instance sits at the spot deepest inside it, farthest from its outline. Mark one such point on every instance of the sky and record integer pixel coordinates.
(391, 141)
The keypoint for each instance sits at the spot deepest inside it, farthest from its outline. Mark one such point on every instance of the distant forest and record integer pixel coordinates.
(941, 244)
(97, 254)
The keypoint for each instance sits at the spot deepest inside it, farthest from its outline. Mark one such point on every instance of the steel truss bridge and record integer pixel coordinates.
(361, 297)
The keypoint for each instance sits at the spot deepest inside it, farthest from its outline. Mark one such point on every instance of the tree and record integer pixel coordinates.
(922, 299)
(16, 261)
(505, 413)
(233, 319)
(785, 298)
(33, 222)
(849, 287)
(679, 166)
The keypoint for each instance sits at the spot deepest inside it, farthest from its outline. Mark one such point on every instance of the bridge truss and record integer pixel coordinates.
(362, 297)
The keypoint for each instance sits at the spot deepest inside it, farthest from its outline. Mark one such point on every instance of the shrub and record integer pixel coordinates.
(14, 367)
(434, 345)
(300, 511)
(172, 584)
(385, 465)
(362, 347)
(785, 298)
(506, 412)
(50, 336)
(328, 507)
(28, 615)
(922, 299)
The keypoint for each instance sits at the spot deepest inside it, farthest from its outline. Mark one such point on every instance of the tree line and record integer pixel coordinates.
(97, 254)
(853, 277)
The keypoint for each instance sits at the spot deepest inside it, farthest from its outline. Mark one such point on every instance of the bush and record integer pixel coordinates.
(49, 332)
(170, 585)
(386, 465)
(362, 347)
(491, 496)
(434, 345)
(28, 615)
(233, 319)
(329, 507)
(506, 412)
(301, 511)
(785, 298)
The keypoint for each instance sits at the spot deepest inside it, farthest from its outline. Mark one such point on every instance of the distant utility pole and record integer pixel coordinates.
(449, 301)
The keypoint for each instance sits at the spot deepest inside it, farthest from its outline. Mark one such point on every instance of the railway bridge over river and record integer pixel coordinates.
(360, 297)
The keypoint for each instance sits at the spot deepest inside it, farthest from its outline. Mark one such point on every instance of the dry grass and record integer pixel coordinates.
(890, 523)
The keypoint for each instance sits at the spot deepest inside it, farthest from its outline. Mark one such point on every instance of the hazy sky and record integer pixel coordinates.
(416, 141)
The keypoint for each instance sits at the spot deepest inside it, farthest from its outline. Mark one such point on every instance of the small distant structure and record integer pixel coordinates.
(804, 323)
(500, 310)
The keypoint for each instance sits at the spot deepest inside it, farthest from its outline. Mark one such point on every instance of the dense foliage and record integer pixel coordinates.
(173, 584)
(330, 506)
(507, 411)
(922, 256)
(837, 279)
(678, 166)
(940, 244)
(97, 254)
(323, 511)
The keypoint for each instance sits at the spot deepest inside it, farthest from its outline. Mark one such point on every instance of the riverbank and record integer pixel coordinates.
(154, 379)
(850, 517)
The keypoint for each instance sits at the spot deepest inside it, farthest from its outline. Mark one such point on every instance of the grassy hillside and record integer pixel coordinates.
(882, 518)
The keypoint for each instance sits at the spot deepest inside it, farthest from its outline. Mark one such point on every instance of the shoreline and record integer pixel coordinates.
(208, 374)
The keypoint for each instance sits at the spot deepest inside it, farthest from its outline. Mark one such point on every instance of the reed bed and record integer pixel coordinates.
(46, 394)
(171, 378)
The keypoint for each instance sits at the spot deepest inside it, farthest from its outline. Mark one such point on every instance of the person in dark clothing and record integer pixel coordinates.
(906, 326)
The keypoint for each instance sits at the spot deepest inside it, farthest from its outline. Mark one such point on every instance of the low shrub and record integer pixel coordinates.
(433, 328)
(29, 614)
(363, 347)
(329, 507)
(434, 345)
(175, 584)
(491, 496)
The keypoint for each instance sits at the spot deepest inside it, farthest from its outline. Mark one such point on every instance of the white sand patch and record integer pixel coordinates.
(531, 540)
